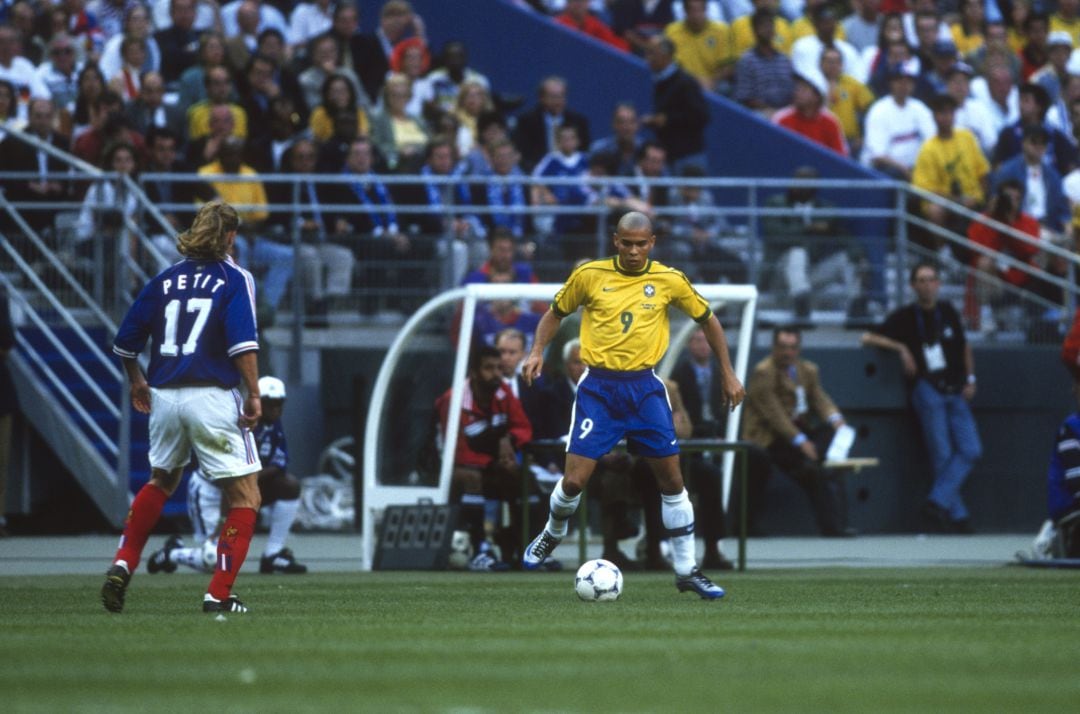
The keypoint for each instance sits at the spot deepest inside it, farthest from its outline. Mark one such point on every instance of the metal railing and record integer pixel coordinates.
(743, 215)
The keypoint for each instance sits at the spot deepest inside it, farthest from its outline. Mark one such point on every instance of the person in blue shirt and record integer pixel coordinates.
(201, 391)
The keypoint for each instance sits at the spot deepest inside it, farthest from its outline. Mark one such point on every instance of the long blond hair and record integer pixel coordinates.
(207, 239)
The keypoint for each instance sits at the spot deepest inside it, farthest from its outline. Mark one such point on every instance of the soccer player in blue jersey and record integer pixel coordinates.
(202, 394)
(624, 333)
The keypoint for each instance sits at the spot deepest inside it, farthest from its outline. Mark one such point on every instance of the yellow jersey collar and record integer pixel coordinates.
(623, 271)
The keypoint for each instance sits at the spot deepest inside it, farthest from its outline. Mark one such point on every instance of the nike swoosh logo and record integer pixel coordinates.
(608, 290)
(674, 441)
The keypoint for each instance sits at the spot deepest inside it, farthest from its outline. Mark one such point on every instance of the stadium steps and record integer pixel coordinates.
(79, 391)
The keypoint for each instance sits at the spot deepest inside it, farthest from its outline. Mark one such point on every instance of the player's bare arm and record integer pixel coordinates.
(140, 390)
(248, 365)
(545, 332)
(734, 393)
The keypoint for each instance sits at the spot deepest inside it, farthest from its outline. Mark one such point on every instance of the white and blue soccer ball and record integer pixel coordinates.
(598, 581)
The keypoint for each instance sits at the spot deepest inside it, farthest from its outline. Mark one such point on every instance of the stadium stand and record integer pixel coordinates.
(69, 291)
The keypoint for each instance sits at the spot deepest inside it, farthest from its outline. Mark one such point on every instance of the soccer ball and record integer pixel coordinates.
(209, 554)
(598, 581)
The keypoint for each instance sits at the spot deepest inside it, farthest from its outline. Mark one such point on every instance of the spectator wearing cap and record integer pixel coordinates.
(1044, 197)
(763, 74)
(848, 98)
(680, 113)
(806, 52)
(702, 46)
(967, 31)
(1067, 19)
(1034, 103)
(1036, 51)
(942, 58)
(971, 114)
(896, 126)
(807, 114)
(1053, 75)
(952, 165)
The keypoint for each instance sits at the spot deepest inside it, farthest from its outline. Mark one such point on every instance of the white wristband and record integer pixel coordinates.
(971, 379)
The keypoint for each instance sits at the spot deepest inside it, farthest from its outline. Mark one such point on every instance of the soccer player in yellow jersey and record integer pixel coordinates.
(624, 333)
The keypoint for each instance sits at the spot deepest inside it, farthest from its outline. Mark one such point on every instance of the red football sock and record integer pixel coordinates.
(231, 550)
(144, 513)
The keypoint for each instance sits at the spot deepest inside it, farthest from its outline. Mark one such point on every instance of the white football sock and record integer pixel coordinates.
(191, 557)
(282, 515)
(678, 516)
(562, 507)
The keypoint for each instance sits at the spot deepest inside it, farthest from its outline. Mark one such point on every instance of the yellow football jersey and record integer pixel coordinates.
(624, 323)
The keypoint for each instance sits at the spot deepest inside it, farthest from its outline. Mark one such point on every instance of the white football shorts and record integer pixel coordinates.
(205, 420)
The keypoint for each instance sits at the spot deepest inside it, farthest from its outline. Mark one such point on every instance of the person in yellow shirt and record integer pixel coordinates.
(1067, 19)
(742, 31)
(702, 46)
(219, 88)
(624, 334)
(849, 99)
(967, 33)
(1018, 16)
(256, 253)
(950, 164)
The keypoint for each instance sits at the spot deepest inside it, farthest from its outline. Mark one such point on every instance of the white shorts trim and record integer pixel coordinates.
(203, 420)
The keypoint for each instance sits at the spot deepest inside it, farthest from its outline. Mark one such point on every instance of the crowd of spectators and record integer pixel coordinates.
(193, 86)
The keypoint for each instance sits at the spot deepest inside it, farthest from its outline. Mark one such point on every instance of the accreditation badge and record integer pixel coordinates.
(935, 357)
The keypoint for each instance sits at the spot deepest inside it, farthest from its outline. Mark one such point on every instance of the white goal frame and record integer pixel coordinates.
(377, 496)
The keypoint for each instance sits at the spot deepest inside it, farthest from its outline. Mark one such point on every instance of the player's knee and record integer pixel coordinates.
(167, 481)
(290, 488)
(283, 487)
(467, 480)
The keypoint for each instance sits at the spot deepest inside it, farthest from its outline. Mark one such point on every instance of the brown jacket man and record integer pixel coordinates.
(772, 397)
(789, 414)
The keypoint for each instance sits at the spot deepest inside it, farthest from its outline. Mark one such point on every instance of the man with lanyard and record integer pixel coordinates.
(624, 334)
(937, 360)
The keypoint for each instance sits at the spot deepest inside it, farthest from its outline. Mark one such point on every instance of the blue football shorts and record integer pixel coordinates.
(611, 405)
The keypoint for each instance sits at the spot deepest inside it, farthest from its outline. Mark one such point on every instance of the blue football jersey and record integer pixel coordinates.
(273, 451)
(198, 315)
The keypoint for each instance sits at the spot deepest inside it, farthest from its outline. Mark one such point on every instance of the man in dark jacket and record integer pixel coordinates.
(19, 156)
(679, 111)
(534, 136)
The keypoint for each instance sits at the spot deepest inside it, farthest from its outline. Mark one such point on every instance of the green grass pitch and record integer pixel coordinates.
(835, 640)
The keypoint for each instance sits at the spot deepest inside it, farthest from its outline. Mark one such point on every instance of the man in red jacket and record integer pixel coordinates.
(493, 428)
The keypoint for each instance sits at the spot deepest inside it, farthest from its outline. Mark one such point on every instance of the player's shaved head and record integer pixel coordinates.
(634, 221)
